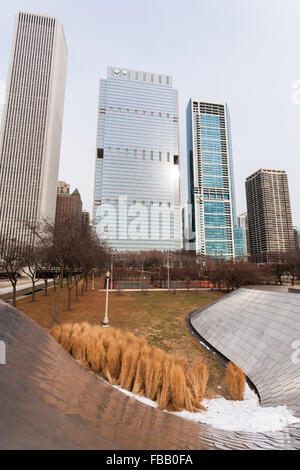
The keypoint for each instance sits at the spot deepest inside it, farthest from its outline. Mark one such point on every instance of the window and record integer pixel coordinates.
(159, 114)
(143, 154)
(118, 152)
(126, 152)
(168, 115)
(116, 202)
(152, 154)
(99, 153)
(135, 153)
(107, 201)
(119, 110)
(136, 111)
(109, 151)
(176, 160)
(127, 110)
(152, 113)
(168, 156)
(160, 156)
(111, 108)
(160, 204)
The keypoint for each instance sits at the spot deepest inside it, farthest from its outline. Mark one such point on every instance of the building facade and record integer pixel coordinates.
(269, 214)
(63, 188)
(297, 238)
(30, 135)
(210, 181)
(242, 222)
(137, 177)
(68, 209)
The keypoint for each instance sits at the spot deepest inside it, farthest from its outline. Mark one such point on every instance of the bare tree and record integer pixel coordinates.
(11, 263)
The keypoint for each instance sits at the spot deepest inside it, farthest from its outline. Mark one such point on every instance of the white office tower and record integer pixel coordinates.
(30, 137)
(137, 178)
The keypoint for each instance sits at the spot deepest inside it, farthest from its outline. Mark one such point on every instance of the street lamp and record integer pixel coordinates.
(105, 323)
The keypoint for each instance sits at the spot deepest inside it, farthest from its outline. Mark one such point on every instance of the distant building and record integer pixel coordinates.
(239, 244)
(210, 180)
(269, 214)
(63, 188)
(137, 177)
(68, 208)
(30, 135)
(297, 238)
(85, 220)
(242, 222)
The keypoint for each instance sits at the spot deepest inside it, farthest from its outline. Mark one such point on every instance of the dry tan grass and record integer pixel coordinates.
(235, 380)
(128, 361)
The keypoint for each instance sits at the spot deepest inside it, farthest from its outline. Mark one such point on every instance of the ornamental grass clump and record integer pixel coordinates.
(236, 381)
(128, 361)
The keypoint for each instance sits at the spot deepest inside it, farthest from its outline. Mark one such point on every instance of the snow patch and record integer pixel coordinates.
(243, 416)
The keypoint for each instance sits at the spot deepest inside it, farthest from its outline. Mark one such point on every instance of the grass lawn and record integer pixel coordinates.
(158, 316)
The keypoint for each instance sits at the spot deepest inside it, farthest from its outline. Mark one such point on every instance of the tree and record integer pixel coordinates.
(11, 263)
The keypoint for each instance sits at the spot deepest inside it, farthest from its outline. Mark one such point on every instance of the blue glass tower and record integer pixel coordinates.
(210, 180)
(137, 177)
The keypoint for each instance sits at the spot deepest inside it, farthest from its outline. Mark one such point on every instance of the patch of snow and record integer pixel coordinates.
(245, 416)
(203, 344)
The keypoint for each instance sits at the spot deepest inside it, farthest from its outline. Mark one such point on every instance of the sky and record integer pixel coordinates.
(243, 52)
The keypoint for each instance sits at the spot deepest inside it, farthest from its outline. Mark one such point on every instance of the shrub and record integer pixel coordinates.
(235, 380)
(128, 361)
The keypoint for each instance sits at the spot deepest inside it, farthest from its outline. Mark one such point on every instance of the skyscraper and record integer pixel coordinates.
(31, 129)
(269, 214)
(68, 209)
(297, 238)
(210, 180)
(137, 187)
(242, 222)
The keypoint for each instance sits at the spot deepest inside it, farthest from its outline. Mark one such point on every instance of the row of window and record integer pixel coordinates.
(144, 154)
(134, 203)
(143, 112)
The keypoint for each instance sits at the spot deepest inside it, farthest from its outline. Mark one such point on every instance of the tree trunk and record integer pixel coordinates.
(69, 297)
(76, 289)
(14, 285)
(33, 290)
(82, 287)
(61, 276)
(56, 304)
(86, 282)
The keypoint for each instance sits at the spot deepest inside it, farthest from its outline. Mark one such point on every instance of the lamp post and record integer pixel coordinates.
(105, 323)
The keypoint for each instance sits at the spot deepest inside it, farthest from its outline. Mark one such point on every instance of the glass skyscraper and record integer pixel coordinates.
(137, 178)
(210, 181)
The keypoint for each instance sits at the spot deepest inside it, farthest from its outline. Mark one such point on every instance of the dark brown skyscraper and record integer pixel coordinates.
(269, 214)
(68, 208)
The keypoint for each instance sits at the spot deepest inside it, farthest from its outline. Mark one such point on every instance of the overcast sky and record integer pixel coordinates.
(246, 53)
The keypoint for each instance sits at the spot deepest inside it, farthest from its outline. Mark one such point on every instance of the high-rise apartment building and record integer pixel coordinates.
(242, 222)
(210, 180)
(269, 214)
(68, 209)
(31, 128)
(137, 179)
